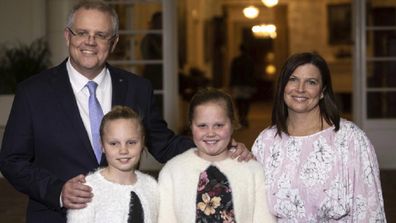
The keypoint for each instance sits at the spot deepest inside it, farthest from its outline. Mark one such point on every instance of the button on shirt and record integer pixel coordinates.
(103, 93)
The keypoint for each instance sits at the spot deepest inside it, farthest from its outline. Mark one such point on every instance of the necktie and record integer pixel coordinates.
(95, 117)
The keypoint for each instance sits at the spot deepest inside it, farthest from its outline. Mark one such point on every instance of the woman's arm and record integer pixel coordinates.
(366, 192)
(261, 209)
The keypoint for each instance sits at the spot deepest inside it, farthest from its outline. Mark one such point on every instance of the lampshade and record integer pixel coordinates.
(269, 3)
(250, 12)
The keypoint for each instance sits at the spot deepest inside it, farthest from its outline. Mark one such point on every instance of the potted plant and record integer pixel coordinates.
(17, 63)
(20, 62)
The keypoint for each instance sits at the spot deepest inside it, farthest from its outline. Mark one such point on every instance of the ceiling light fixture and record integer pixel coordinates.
(269, 3)
(251, 12)
(264, 31)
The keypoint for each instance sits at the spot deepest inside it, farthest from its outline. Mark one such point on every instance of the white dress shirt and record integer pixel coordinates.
(103, 92)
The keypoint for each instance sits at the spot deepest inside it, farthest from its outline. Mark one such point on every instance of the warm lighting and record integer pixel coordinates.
(270, 69)
(269, 3)
(251, 12)
(264, 31)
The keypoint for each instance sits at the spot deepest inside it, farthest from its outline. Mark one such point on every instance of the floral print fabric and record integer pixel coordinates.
(325, 177)
(214, 198)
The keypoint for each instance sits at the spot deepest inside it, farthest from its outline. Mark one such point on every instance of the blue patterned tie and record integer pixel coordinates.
(95, 117)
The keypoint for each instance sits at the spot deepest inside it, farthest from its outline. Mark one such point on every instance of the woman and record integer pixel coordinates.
(319, 167)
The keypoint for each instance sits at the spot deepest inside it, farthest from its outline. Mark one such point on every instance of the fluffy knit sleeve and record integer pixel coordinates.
(84, 215)
(365, 190)
(166, 208)
(81, 215)
(151, 189)
(261, 211)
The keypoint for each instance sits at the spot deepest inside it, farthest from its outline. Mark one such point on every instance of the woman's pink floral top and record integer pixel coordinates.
(325, 177)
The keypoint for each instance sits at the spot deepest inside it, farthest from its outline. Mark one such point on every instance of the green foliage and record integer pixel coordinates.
(20, 62)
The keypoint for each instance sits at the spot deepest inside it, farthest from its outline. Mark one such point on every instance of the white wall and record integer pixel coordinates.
(57, 11)
(22, 20)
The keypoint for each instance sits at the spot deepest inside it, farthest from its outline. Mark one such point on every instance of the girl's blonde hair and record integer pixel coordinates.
(121, 112)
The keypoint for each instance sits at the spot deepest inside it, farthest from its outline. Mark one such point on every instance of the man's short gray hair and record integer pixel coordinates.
(98, 5)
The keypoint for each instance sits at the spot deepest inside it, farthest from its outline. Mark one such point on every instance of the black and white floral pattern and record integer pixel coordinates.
(324, 177)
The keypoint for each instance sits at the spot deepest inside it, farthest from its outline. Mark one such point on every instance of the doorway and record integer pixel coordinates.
(262, 52)
(266, 51)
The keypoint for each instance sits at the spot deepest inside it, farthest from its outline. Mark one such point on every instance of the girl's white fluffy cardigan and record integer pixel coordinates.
(110, 203)
(178, 181)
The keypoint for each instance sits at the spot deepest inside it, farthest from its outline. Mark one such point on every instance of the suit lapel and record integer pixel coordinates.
(120, 87)
(65, 96)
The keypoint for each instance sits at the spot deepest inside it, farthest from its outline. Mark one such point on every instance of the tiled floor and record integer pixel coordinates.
(13, 204)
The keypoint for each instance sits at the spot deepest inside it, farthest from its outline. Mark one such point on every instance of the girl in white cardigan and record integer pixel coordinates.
(121, 193)
(204, 184)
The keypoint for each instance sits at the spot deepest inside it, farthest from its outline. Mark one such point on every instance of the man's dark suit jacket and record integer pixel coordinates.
(45, 141)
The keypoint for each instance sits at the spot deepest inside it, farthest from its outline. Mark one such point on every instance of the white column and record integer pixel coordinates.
(57, 11)
(170, 64)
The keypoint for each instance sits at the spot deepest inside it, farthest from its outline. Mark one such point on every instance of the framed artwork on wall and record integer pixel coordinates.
(339, 17)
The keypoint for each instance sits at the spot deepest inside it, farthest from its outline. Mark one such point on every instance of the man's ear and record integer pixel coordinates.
(66, 35)
(114, 43)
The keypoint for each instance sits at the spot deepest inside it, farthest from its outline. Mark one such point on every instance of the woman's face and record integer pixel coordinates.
(304, 90)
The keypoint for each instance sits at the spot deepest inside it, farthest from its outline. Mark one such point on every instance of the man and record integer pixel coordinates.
(49, 140)
(243, 83)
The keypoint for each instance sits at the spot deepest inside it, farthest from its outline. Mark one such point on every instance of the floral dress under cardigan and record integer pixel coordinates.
(186, 193)
(214, 197)
(324, 177)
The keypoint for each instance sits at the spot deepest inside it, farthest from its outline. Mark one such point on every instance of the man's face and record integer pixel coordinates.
(90, 41)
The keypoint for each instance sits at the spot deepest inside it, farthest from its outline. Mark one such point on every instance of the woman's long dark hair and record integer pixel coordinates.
(328, 107)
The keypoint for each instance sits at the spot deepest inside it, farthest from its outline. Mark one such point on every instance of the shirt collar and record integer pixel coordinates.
(79, 81)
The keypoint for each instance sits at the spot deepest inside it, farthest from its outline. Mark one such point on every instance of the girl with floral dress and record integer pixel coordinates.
(203, 184)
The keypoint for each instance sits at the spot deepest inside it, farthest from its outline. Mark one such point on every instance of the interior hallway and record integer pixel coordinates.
(12, 203)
